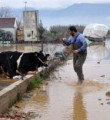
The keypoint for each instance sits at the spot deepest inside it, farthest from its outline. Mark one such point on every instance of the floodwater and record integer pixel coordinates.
(48, 48)
(60, 98)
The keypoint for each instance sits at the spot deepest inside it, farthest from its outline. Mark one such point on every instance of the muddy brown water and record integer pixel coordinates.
(60, 98)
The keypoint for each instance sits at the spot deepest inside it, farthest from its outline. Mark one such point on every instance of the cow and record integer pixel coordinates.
(14, 63)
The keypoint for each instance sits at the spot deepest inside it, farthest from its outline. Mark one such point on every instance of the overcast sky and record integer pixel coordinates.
(55, 4)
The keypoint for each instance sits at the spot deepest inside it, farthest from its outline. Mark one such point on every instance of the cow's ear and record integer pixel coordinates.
(47, 55)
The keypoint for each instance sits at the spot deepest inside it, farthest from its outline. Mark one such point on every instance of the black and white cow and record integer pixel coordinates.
(13, 63)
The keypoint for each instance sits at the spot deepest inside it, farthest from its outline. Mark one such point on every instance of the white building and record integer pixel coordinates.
(9, 25)
(30, 25)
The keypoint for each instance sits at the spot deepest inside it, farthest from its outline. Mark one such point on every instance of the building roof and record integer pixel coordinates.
(7, 22)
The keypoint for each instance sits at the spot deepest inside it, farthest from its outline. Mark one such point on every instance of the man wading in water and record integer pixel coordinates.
(79, 51)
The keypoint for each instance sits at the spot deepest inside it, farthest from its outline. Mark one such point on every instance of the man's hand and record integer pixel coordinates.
(61, 40)
(75, 51)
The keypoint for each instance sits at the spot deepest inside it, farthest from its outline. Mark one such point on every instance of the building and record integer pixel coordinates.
(20, 35)
(30, 25)
(9, 26)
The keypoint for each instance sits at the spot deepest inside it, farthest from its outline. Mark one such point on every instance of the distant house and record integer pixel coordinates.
(9, 25)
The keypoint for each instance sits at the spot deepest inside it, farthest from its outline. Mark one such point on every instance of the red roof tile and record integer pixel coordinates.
(7, 22)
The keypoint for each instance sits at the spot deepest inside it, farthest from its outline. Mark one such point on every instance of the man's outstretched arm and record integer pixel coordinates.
(69, 41)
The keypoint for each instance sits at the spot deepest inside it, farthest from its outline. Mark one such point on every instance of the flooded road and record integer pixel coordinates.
(60, 98)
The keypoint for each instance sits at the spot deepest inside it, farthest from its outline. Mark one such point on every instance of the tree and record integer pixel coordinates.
(60, 31)
(19, 23)
(41, 31)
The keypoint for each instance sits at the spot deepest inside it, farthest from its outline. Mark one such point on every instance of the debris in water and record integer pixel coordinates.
(100, 99)
(108, 103)
(18, 115)
(107, 99)
(101, 103)
(102, 76)
(98, 62)
(108, 94)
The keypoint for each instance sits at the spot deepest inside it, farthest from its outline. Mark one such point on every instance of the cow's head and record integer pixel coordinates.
(42, 57)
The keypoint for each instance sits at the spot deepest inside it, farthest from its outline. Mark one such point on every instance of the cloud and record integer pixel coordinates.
(55, 4)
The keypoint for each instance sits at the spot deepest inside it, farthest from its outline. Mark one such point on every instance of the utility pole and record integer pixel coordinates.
(25, 4)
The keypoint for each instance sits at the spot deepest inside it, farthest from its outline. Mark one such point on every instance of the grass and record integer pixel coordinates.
(11, 103)
(35, 83)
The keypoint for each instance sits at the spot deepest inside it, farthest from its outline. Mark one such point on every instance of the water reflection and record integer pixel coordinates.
(21, 48)
(98, 52)
(80, 112)
(37, 103)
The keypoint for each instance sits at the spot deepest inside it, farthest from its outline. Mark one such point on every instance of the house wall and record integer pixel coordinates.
(30, 25)
(12, 30)
(20, 35)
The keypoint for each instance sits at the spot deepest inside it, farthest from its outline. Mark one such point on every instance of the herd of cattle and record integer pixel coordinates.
(19, 63)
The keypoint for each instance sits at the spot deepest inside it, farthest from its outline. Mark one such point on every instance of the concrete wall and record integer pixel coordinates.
(9, 94)
(30, 25)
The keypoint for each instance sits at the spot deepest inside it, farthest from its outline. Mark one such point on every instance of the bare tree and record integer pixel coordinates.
(5, 12)
(41, 31)
(19, 23)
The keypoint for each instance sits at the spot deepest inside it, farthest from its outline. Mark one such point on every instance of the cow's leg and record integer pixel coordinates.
(22, 71)
(2, 72)
(22, 75)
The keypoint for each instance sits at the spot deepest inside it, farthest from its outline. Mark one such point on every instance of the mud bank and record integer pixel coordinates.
(10, 94)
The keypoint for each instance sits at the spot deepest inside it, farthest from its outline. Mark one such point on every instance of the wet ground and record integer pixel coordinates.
(60, 98)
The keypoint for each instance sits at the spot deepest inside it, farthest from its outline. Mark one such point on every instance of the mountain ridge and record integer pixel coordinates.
(83, 13)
